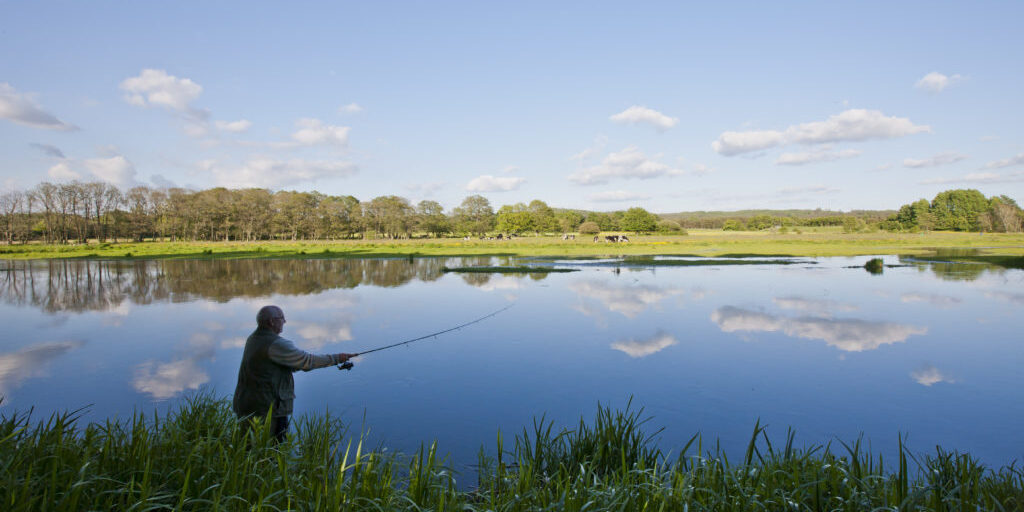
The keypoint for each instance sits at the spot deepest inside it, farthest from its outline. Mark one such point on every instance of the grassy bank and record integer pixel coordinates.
(819, 242)
(198, 458)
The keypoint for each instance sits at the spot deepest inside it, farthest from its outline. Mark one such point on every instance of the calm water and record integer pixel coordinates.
(820, 345)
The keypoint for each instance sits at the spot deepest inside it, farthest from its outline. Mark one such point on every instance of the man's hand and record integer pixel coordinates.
(342, 357)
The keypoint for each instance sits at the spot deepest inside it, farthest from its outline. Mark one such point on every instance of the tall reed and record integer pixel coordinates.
(198, 457)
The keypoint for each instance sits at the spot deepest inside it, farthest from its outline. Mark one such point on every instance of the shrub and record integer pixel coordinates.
(589, 228)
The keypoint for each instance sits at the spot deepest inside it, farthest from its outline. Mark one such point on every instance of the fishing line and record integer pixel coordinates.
(347, 365)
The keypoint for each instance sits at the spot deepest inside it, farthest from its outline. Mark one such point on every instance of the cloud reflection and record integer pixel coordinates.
(627, 300)
(816, 306)
(644, 348)
(941, 301)
(30, 362)
(930, 375)
(165, 380)
(850, 335)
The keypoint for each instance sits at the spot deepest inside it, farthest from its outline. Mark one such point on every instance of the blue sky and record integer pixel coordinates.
(602, 106)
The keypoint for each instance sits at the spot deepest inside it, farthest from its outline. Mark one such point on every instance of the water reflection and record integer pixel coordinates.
(628, 300)
(850, 335)
(942, 301)
(820, 307)
(78, 286)
(16, 367)
(643, 348)
(929, 375)
(953, 271)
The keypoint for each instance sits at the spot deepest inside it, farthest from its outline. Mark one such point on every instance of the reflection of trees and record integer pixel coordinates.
(953, 271)
(73, 285)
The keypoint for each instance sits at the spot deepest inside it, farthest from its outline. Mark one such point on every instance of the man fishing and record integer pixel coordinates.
(265, 381)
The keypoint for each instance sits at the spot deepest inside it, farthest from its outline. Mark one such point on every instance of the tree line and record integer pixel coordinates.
(78, 212)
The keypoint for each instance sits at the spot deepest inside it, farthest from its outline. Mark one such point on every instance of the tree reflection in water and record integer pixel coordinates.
(83, 285)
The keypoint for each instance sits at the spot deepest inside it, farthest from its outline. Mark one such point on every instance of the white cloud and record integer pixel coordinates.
(935, 82)
(156, 87)
(735, 143)
(48, 150)
(510, 169)
(616, 196)
(812, 189)
(488, 183)
(820, 155)
(637, 114)
(233, 126)
(21, 108)
(313, 132)
(116, 170)
(351, 108)
(267, 172)
(63, 172)
(426, 189)
(930, 375)
(847, 126)
(644, 348)
(16, 367)
(1017, 159)
(598, 146)
(165, 380)
(979, 177)
(934, 161)
(626, 164)
(850, 335)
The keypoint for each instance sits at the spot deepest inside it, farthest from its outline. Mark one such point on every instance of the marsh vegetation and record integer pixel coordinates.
(199, 457)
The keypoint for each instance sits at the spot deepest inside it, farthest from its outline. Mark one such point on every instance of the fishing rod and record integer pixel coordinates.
(347, 365)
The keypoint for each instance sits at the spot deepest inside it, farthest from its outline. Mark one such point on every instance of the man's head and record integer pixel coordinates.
(271, 317)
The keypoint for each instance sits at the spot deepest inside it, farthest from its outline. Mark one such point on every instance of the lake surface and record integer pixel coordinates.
(930, 350)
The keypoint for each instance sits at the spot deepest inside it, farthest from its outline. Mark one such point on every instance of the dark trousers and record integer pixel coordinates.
(278, 426)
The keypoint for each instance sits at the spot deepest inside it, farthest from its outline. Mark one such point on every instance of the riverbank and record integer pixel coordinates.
(822, 242)
(197, 457)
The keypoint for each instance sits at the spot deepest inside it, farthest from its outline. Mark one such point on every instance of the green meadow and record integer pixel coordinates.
(1008, 248)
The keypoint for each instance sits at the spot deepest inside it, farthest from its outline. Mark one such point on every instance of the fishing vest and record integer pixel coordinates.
(262, 383)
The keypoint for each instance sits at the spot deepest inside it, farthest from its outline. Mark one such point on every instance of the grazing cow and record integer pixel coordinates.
(623, 238)
(596, 238)
(501, 236)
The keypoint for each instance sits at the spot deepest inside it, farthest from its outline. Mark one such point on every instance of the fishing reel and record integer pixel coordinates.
(347, 365)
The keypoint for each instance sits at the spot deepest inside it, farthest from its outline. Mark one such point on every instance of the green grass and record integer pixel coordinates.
(710, 243)
(200, 458)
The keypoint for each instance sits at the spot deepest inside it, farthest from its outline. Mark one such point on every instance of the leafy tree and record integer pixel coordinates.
(958, 210)
(515, 219)
(569, 220)
(669, 226)
(544, 220)
(639, 220)
(389, 215)
(474, 215)
(589, 228)
(431, 218)
(1006, 215)
(733, 225)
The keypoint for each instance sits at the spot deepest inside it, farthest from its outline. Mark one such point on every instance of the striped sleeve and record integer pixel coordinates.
(283, 352)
